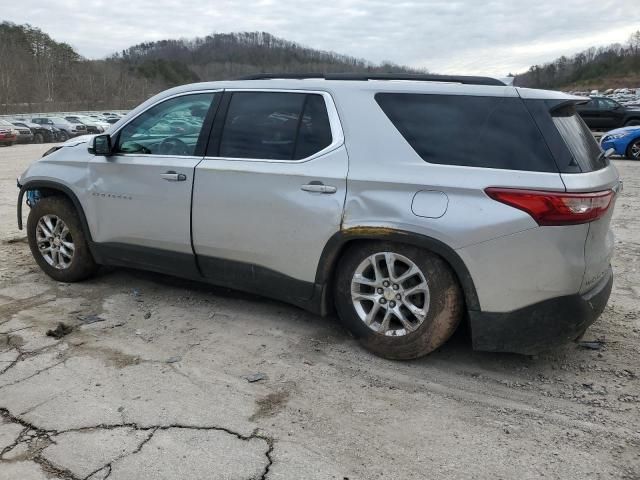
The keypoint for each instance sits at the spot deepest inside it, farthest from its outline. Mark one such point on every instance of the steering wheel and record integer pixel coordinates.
(173, 146)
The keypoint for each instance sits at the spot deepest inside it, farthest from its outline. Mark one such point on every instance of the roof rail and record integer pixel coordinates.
(419, 77)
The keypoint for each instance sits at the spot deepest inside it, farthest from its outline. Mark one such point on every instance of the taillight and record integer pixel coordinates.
(555, 208)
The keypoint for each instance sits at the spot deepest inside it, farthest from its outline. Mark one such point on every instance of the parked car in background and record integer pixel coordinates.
(111, 120)
(8, 133)
(93, 124)
(605, 113)
(403, 235)
(41, 133)
(625, 141)
(67, 128)
(25, 135)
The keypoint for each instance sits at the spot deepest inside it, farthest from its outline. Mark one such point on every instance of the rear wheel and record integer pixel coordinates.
(57, 241)
(400, 301)
(633, 150)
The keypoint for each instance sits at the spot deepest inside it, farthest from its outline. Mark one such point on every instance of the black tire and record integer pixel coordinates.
(629, 153)
(38, 138)
(81, 265)
(64, 136)
(632, 123)
(445, 308)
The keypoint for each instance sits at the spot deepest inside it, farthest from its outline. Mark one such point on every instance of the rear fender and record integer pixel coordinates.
(339, 241)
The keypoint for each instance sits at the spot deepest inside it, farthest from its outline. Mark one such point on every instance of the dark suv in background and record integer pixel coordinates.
(605, 113)
(67, 129)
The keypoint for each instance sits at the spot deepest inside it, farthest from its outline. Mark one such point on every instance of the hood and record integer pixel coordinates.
(75, 141)
(635, 128)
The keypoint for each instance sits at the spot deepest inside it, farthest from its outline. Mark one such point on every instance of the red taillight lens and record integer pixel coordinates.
(555, 208)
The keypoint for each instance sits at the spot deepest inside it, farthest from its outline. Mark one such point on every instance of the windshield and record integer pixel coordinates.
(579, 139)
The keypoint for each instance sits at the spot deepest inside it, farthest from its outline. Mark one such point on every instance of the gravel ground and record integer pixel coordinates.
(157, 388)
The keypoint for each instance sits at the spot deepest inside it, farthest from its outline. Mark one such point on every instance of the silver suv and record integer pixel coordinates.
(404, 203)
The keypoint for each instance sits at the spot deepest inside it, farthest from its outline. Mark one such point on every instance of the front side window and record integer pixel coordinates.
(275, 126)
(488, 132)
(169, 128)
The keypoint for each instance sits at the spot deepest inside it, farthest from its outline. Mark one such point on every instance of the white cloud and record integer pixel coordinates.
(464, 36)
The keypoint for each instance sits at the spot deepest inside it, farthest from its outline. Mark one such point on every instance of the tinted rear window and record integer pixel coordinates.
(584, 149)
(490, 132)
(276, 126)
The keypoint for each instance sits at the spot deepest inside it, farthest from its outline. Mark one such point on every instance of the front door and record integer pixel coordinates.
(270, 192)
(140, 197)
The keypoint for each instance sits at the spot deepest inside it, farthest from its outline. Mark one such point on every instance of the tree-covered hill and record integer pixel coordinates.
(604, 67)
(39, 74)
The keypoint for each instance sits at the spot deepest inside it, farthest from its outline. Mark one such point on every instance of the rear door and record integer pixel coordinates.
(590, 113)
(612, 113)
(270, 192)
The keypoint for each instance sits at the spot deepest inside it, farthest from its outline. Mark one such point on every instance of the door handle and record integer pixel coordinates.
(318, 187)
(172, 176)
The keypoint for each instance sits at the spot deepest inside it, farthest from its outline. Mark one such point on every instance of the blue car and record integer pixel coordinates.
(625, 141)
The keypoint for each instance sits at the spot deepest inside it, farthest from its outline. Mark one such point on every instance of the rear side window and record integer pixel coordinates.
(585, 151)
(489, 132)
(275, 126)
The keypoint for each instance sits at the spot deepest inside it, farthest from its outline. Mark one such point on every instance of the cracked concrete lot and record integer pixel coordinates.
(151, 383)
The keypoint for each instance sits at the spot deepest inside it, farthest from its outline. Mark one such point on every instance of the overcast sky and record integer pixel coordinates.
(465, 36)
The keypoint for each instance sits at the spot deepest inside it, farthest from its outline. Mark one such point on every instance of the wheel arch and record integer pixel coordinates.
(50, 188)
(627, 148)
(338, 243)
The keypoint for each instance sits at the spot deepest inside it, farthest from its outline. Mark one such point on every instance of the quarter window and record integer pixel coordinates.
(489, 132)
(172, 127)
(275, 126)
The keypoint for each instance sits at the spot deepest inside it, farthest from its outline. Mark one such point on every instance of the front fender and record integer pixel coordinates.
(51, 187)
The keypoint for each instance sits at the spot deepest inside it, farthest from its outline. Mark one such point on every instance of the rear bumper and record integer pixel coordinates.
(541, 326)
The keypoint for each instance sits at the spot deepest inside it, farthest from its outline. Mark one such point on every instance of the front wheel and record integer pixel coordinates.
(399, 301)
(57, 241)
(633, 150)
(64, 136)
(38, 138)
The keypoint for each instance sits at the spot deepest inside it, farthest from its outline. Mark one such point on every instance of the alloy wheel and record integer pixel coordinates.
(54, 241)
(390, 294)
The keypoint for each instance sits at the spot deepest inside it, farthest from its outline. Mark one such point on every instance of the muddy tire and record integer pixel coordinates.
(401, 302)
(57, 241)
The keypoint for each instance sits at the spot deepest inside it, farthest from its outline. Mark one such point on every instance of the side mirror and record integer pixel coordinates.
(101, 145)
